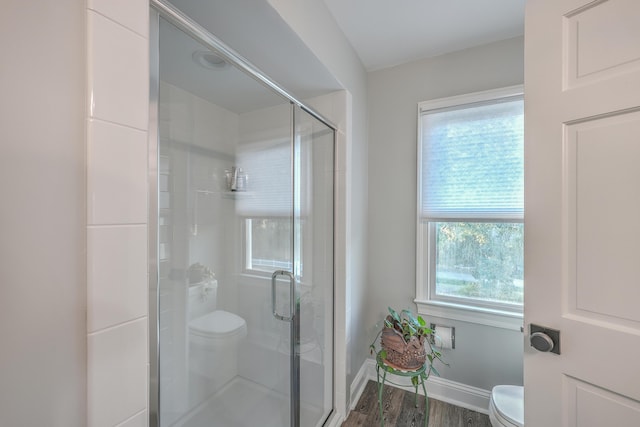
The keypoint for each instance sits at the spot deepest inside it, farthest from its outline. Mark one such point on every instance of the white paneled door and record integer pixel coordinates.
(582, 204)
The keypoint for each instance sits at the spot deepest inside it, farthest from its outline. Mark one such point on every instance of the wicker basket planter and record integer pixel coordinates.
(400, 354)
(404, 344)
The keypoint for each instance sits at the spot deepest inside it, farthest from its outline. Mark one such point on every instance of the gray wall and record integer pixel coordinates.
(484, 356)
(42, 248)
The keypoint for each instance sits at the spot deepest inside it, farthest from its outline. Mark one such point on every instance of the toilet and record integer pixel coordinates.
(506, 407)
(214, 337)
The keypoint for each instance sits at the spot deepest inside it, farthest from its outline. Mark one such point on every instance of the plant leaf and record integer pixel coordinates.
(394, 314)
(383, 354)
(421, 321)
(409, 315)
(414, 381)
(435, 371)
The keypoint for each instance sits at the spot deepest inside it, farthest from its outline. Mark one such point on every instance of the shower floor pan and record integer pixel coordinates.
(243, 403)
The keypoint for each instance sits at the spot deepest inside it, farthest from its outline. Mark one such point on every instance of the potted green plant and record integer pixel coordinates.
(405, 342)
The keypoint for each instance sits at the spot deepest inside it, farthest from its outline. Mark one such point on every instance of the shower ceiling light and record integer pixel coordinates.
(208, 59)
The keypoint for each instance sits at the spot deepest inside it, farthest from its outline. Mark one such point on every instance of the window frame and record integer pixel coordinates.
(247, 249)
(498, 314)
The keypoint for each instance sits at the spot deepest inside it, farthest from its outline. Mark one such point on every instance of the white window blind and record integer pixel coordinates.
(269, 184)
(472, 161)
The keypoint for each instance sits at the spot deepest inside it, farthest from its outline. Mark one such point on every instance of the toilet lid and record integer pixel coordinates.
(217, 324)
(508, 401)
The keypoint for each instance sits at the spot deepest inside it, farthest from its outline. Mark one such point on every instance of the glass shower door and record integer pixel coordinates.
(225, 224)
(245, 248)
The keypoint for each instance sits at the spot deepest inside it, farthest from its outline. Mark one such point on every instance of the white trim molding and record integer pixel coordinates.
(455, 393)
(478, 315)
(470, 98)
(365, 373)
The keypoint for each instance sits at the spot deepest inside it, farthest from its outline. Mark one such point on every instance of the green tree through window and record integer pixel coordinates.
(480, 260)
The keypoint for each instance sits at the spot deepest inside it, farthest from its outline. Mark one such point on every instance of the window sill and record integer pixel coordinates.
(481, 316)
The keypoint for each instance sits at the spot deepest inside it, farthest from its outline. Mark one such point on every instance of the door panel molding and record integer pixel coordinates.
(598, 406)
(600, 186)
(588, 57)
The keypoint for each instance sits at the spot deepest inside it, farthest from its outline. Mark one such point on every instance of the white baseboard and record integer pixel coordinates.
(458, 394)
(360, 381)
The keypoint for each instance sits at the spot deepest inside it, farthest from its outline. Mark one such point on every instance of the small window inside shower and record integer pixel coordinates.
(268, 244)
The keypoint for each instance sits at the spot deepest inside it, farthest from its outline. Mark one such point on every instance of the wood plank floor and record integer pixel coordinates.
(399, 411)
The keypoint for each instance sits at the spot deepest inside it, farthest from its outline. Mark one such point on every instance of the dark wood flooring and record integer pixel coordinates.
(399, 411)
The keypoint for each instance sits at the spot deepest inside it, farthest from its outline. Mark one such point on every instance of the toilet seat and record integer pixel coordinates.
(507, 406)
(218, 324)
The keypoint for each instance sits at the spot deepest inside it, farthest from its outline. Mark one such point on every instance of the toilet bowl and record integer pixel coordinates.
(214, 336)
(506, 407)
(213, 344)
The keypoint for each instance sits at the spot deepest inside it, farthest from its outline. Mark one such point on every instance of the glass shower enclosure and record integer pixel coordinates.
(241, 284)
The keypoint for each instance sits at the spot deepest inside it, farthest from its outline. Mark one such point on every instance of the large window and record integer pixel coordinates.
(470, 210)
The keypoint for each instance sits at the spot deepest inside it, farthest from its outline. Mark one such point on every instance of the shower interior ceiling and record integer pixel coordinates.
(255, 31)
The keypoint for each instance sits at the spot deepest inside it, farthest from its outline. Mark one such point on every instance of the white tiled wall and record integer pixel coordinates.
(111, 144)
(117, 126)
(117, 376)
(116, 275)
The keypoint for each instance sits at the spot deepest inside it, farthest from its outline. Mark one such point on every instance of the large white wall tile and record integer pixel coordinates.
(133, 14)
(118, 67)
(116, 275)
(117, 374)
(117, 160)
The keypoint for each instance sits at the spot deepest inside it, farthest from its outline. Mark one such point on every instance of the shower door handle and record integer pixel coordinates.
(274, 276)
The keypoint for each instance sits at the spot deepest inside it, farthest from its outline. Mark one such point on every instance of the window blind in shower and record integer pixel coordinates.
(268, 188)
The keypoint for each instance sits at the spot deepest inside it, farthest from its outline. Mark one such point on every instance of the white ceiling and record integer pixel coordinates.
(385, 33)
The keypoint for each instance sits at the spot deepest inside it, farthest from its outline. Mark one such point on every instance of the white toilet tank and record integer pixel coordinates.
(202, 299)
